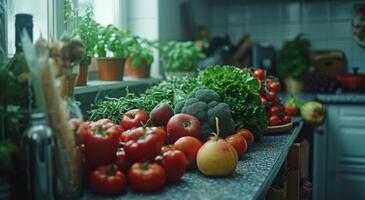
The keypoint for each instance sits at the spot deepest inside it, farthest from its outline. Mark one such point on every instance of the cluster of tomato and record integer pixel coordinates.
(144, 151)
(276, 111)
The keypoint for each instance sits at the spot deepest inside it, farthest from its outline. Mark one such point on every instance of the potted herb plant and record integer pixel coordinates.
(138, 64)
(294, 63)
(111, 51)
(86, 28)
(180, 58)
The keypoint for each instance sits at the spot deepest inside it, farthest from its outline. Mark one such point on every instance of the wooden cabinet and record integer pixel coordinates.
(339, 159)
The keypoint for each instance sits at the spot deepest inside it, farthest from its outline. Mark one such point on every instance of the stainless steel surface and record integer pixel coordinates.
(39, 150)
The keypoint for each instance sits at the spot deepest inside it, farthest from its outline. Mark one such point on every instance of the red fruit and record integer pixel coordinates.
(263, 101)
(271, 96)
(133, 119)
(274, 120)
(259, 74)
(239, 143)
(174, 162)
(292, 110)
(275, 110)
(190, 147)
(286, 119)
(181, 125)
(247, 135)
(274, 86)
(107, 179)
(161, 114)
(122, 161)
(146, 177)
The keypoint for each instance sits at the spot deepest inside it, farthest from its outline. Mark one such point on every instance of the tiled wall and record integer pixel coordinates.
(327, 23)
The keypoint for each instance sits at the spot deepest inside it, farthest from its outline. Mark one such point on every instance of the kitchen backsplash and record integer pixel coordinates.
(326, 23)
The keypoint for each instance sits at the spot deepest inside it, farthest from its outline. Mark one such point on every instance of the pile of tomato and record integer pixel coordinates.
(277, 113)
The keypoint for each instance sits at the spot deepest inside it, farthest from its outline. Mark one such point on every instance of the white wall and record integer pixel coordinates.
(326, 23)
(142, 20)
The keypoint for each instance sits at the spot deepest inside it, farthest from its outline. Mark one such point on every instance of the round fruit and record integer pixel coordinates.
(274, 120)
(217, 158)
(181, 125)
(174, 162)
(146, 177)
(239, 143)
(107, 179)
(247, 135)
(274, 86)
(259, 74)
(274, 110)
(292, 110)
(190, 147)
(133, 118)
(286, 119)
(161, 114)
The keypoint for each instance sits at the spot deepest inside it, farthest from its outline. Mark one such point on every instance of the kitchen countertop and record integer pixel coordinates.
(253, 177)
(342, 98)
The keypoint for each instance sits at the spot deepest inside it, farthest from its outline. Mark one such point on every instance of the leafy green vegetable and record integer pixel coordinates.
(206, 105)
(294, 60)
(140, 51)
(170, 91)
(240, 91)
(181, 56)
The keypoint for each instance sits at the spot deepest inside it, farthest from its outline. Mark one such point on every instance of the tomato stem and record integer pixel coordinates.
(145, 166)
(111, 170)
(100, 131)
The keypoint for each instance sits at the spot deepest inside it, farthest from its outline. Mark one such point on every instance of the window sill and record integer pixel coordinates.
(97, 85)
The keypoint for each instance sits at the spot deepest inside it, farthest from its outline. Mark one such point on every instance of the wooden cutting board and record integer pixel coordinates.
(329, 63)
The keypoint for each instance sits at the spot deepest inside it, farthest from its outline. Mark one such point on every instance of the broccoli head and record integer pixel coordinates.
(206, 105)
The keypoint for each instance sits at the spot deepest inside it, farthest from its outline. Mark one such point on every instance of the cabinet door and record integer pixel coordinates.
(346, 154)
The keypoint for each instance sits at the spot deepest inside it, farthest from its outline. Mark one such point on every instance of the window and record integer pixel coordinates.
(105, 11)
(40, 12)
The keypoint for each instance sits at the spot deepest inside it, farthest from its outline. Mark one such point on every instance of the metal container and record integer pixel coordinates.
(38, 147)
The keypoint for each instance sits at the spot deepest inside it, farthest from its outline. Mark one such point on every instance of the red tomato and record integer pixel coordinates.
(271, 96)
(166, 148)
(190, 147)
(286, 119)
(134, 118)
(274, 120)
(274, 86)
(239, 143)
(147, 147)
(135, 133)
(247, 135)
(181, 125)
(263, 101)
(101, 143)
(175, 163)
(107, 179)
(146, 177)
(259, 74)
(292, 110)
(122, 160)
(274, 110)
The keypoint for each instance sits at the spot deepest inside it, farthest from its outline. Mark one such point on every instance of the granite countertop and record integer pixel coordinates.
(253, 177)
(342, 98)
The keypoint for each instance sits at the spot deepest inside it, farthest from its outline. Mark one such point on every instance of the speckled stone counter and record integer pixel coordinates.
(342, 98)
(254, 175)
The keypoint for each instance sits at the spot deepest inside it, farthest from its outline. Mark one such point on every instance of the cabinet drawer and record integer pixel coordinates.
(353, 114)
(350, 143)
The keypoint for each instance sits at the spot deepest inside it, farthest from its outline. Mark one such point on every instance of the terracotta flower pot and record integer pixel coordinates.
(141, 71)
(293, 86)
(110, 69)
(81, 79)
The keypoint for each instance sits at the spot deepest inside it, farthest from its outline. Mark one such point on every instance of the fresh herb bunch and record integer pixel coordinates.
(240, 91)
(181, 56)
(170, 91)
(140, 51)
(113, 43)
(86, 28)
(294, 60)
